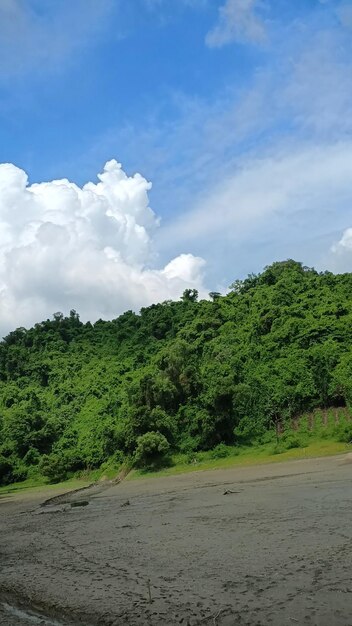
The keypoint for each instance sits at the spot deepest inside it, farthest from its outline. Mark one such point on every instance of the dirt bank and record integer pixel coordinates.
(276, 549)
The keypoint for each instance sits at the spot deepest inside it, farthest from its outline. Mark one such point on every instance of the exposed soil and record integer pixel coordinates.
(261, 545)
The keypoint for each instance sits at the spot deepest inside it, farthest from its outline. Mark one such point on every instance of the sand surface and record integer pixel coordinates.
(275, 550)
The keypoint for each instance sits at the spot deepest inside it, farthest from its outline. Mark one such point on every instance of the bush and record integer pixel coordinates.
(267, 437)
(248, 431)
(19, 472)
(6, 470)
(291, 440)
(53, 467)
(303, 426)
(152, 450)
(32, 457)
(344, 432)
(189, 445)
(277, 449)
(192, 458)
(220, 451)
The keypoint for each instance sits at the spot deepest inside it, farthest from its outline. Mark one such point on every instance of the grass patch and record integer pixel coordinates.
(108, 470)
(325, 439)
(38, 484)
(182, 463)
(245, 456)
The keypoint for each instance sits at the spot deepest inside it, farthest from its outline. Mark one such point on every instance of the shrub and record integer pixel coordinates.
(267, 437)
(32, 457)
(303, 426)
(248, 430)
(220, 451)
(344, 432)
(277, 449)
(54, 467)
(189, 445)
(6, 470)
(192, 458)
(19, 472)
(152, 450)
(291, 440)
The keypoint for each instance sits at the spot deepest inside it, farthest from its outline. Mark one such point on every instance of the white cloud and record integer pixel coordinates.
(345, 242)
(238, 21)
(341, 253)
(31, 38)
(89, 248)
(292, 195)
(266, 168)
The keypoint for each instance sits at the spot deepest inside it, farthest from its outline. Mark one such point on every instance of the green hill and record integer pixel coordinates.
(180, 376)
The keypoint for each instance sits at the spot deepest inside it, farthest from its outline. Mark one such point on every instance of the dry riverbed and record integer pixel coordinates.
(265, 545)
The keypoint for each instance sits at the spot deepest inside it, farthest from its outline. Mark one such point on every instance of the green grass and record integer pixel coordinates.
(311, 445)
(38, 484)
(246, 456)
(237, 457)
(82, 479)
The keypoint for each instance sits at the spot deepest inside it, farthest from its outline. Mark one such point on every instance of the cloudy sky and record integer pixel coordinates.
(232, 122)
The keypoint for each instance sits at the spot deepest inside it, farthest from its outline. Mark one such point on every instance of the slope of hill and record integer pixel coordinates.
(181, 376)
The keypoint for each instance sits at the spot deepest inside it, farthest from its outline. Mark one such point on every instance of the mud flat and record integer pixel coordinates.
(263, 545)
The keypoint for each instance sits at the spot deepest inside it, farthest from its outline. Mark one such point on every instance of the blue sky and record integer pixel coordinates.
(237, 111)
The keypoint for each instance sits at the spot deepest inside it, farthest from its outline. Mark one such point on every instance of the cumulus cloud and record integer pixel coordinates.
(89, 248)
(238, 21)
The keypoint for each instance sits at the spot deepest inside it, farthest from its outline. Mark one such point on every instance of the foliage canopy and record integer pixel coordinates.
(183, 375)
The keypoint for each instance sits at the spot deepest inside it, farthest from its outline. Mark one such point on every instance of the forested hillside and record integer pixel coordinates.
(181, 375)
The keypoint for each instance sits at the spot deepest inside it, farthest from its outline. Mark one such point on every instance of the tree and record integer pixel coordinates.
(190, 373)
(190, 295)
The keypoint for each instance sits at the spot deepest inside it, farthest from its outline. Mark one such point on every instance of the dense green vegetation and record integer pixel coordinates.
(179, 377)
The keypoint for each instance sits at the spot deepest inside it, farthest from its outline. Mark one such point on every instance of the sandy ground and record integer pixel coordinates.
(275, 550)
